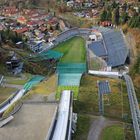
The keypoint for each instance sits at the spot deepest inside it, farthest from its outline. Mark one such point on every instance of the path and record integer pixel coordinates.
(97, 126)
(13, 86)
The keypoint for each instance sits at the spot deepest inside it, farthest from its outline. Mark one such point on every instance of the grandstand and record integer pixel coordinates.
(66, 35)
(98, 48)
(112, 48)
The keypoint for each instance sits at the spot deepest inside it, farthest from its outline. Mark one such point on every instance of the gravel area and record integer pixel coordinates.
(32, 122)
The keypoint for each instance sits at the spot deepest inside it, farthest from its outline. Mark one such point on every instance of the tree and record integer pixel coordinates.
(134, 22)
(103, 15)
(115, 16)
(114, 4)
(124, 18)
(109, 15)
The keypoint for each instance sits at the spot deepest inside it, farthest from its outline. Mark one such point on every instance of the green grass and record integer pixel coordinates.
(73, 49)
(88, 98)
(95, 64)
(5, 93)
(114, 132)
(18, 80)
(83, 125)
(46, 87)
(75, 90)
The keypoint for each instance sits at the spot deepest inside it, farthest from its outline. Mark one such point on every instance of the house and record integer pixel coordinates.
(35, 46)
(22, 30)
(106, 23)
(22, 20)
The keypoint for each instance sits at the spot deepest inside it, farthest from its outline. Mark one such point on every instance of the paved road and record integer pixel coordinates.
(97, 126)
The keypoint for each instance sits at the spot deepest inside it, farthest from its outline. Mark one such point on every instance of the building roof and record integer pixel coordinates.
(19, 31)
(98, 48)
(114, 46)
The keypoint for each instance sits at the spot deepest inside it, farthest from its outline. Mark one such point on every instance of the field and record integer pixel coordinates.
(75, 90)
(83, 124)
(114, 132)
(116, 105)
(73, 49)
(5, 93)
(18, 80)
(117, 101)
(46, 87)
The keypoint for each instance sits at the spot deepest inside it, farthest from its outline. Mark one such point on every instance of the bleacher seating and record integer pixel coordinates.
(114, 47)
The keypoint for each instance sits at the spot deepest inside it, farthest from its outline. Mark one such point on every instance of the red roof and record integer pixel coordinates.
(105, 23)
(19, 31)
(30, 23)
(21, 19)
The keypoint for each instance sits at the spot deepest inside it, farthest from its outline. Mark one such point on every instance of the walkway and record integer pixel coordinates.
(97, 127)
(13, 86)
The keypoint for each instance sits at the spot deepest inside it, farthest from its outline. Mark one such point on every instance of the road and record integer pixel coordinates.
(97, 127)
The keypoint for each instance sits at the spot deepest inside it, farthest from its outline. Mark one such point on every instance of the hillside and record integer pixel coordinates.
(135, 54)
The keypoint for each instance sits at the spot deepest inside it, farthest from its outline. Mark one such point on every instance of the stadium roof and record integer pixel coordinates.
(114, 47)
(98, 48)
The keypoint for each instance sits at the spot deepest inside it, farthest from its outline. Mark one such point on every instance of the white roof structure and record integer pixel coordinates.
(60, 131)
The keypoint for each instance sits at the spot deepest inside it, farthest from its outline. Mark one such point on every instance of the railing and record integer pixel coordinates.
(134, 106)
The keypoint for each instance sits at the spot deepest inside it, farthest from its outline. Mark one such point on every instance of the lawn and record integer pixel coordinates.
(83, 125)
(114, 132)
(5, 93)
(46, 87)
(73, 49)
(115, 102)
(75, 90)
(18, 80)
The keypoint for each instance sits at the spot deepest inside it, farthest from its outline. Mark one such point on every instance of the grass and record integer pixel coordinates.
(73, 49)
(95, 63)
(83, 125)
(77, 21)
(115, 102)
(75, 90)
(114, 132)
(46, 87)
(18, 80)
(5, 93)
